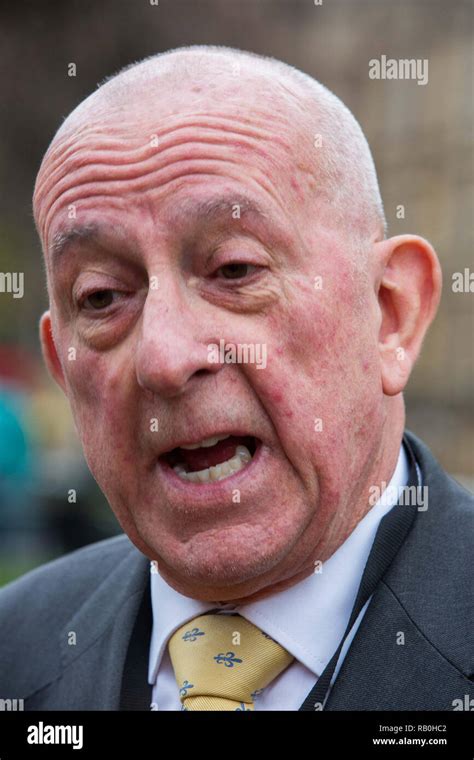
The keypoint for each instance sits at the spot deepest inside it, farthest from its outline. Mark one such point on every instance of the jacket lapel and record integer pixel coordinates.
(92, 646)
(391, 665)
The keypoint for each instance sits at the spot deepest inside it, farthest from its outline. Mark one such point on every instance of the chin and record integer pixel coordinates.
(214, 564)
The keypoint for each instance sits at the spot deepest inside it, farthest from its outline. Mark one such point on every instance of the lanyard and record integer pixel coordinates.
(136, 692)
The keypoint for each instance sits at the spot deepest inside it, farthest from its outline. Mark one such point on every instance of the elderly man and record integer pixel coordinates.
(234, 332)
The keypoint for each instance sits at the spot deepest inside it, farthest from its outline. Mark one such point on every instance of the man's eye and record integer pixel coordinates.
(100, 299)
(236, 270)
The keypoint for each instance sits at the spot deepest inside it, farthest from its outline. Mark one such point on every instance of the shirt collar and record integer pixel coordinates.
(309, 619)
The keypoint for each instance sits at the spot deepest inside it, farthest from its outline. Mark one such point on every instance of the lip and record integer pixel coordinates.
(214, 491)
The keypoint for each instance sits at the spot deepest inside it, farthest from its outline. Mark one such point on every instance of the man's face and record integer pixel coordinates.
(153, 279)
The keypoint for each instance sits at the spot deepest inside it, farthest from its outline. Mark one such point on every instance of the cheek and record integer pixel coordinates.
(321, 384)
(101, 396)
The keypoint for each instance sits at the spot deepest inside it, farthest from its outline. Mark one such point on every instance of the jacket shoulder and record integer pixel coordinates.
(49, 595)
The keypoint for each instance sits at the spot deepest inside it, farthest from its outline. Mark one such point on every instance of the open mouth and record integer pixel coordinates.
(212, 459)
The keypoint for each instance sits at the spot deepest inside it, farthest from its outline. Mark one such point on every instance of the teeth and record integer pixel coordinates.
(207, 443)
(243, 453)
(219, 471)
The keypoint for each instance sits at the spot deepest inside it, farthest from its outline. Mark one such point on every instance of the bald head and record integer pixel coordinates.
(326, 141)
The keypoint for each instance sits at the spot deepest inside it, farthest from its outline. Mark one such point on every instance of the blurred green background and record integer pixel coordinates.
(421, 140)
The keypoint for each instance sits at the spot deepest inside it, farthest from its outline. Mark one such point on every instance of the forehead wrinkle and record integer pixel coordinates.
(124, 159)
(104, 136)
(89, 180)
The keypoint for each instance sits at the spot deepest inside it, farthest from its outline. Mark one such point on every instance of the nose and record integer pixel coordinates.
(172, 348)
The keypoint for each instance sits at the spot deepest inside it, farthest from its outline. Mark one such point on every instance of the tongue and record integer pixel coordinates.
(200, 459)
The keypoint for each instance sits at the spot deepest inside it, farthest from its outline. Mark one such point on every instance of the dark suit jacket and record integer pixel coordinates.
(95, 592)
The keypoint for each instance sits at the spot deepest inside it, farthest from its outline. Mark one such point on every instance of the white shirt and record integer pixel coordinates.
(309, 619)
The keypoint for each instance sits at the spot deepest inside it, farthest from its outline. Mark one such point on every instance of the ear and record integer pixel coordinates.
(409, 289)
(50, 354)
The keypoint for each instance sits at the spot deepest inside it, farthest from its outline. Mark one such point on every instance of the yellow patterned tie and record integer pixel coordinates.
(222, 661)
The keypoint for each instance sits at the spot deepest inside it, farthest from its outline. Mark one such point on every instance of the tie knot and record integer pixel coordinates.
(222, 661)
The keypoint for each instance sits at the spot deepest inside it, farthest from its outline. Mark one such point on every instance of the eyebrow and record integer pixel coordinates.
(217, 207)
(63, 239)
(209, 210)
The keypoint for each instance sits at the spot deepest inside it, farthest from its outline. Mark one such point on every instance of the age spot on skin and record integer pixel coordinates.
(297, 188)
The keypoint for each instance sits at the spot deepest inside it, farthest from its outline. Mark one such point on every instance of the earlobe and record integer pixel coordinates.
(49, 351)
(408, 295)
